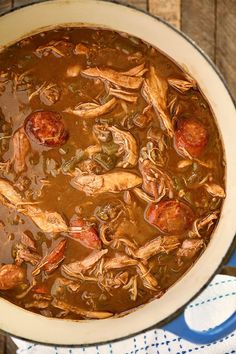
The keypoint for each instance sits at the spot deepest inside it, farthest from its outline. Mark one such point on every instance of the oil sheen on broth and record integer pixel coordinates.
(112, 173)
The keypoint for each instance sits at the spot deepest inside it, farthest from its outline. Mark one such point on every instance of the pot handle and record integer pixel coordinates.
(179, 326)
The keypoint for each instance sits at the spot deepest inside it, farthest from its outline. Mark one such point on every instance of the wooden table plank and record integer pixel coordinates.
(18, 3)
(168, 10)
(198, 21)
(225, 41)
(140, 4)
(5, 5)
(10, 346)
(2, 343)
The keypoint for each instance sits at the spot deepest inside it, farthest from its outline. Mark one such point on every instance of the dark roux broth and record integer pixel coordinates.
(161, 133)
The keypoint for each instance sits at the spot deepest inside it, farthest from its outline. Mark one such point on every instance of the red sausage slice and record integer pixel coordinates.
(171, 216)
(84, 233)
(46, 128)
(191, 137)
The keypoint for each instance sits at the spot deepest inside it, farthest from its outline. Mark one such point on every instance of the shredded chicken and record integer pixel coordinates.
(113, 182)
(215, 190)
(25, 255)
(160, 244)
(205, 222)
(128, 145)
(132, 287)
(156, 183)
(123, 95)
(138, 70)
(92, 110)
(37, 304)
(155, 92)
(115, 77)
(50, 94)
(78, 311)
(149, 281)
(184, 163)
(182, 85)
(190, 247)
(21, 147)
(57, 48)
(50, 222)
(120, 261)
(76, 268)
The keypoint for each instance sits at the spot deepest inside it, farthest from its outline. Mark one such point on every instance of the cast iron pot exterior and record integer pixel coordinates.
(35, 18)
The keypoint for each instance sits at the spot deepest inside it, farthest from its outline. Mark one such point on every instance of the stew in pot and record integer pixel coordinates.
(111, 173)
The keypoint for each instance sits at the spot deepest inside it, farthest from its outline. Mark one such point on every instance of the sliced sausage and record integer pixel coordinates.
(46, 128)
(170, 216)
(83, 232)
(11, 276)
(190, 137)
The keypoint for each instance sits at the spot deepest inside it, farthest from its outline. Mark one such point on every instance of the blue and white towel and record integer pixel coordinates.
(212, 307)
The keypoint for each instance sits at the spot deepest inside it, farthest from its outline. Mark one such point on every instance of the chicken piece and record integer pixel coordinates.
(138, 71)
(11, 276)
(182, 85)
(92, 110)
(144, 119)
(37, 304)
(189, 248)
(158, 245)
(101, 132)
(155, 92)
(127, 144)
(215, 190)
(110, 281)
(156, 183)
(114, 77)
(123, 261)
(205, 222)
(123, 95)
(81, 49)
(50, 94)
(120, 261)
(76, 268)
(25, 255)
(78, 311)
(184, 163)
(57, 48)
(88, 167)
(50, 222)
(113, 182)
(21, 147)
(9, 193)
(132, 287)
(149, 281)
(62, 285)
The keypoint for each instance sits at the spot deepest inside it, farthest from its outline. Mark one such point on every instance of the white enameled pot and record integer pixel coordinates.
(34, 18)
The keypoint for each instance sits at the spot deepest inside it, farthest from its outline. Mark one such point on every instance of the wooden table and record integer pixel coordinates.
(210, 23)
